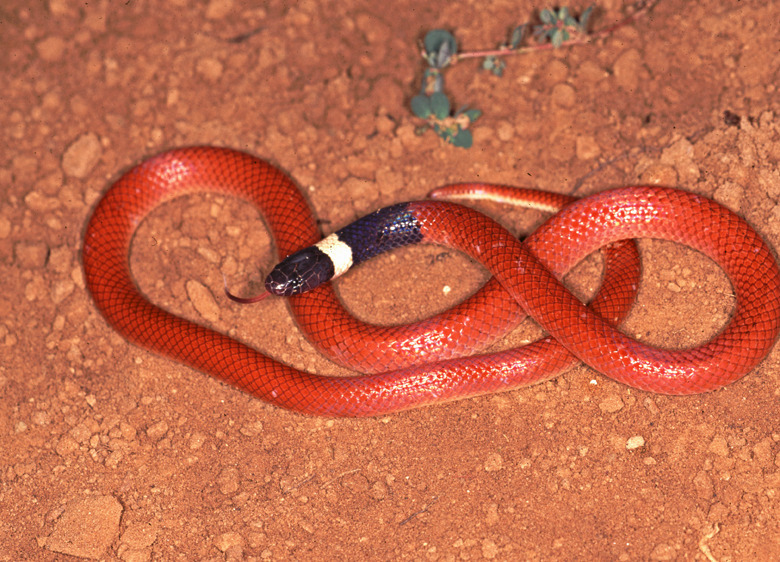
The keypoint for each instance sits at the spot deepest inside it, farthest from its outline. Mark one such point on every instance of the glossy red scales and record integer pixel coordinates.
(562, 241)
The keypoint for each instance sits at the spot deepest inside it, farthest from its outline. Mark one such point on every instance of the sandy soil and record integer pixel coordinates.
(109, 452)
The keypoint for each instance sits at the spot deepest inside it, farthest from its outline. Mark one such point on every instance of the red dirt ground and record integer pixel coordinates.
(109, 452)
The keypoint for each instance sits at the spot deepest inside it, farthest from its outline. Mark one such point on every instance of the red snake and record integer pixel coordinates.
(526, 270)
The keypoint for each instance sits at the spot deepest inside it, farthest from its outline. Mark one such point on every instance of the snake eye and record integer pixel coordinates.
(302, 271)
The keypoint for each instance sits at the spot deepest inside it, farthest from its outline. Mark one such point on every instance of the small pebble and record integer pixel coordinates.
(157, 431)
(82, 156)
(564, 95)
(626, 69)
(139, 535)
(659, 174)
(719, 446)
(218, 9)
(611, 404)
(494, 462)
(87, 527)
(587, 148)
(226, 541)
(210, 68)
(203, 300)
(51, 49)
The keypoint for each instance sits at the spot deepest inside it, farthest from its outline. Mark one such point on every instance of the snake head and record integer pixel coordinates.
(302, 271)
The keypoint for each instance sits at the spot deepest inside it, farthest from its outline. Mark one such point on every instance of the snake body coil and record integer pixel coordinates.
(527, 272)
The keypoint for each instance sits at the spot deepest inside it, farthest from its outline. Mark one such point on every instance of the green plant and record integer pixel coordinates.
(556, 28)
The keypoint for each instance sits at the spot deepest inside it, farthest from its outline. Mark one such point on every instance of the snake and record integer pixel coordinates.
(428, 362)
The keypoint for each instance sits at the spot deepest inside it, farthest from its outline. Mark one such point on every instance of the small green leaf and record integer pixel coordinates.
(443, 132)
(440, 45)
(421, 106)
(494, 65)
(557, 38)
(435, 37)
(518, 34)
(473, 114)
(463, 139)
(546, 16)
(584, 19)
(440, 105)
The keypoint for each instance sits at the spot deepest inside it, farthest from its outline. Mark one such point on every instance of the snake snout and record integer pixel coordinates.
(302, 271)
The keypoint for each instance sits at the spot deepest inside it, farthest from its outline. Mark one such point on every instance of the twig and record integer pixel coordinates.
(642, 7)
(424, 509)
(342, 475)
(558, 28)
(703, 543)
(299, 484)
